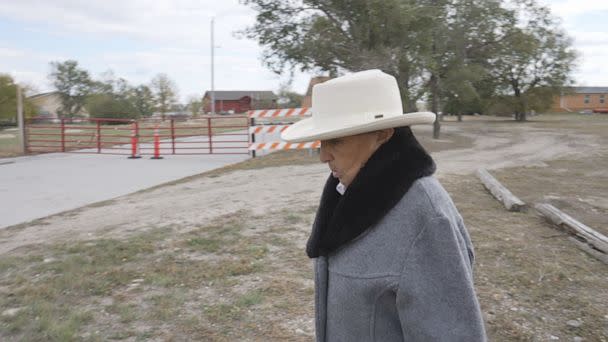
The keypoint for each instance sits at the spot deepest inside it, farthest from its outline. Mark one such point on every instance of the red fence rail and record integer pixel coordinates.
(203, 135)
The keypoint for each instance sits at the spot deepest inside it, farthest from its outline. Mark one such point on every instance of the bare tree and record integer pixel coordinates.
(165, 93)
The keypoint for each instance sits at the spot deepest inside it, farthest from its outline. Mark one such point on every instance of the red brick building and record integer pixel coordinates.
(582, 99)
(227, 101)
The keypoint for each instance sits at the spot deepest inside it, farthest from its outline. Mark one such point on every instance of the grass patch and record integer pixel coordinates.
(221, 312)
(249, 299)
(233, 311)
(257, 252)
(51, 292)
(164, 307)
(150, 280)
(204, 244)
(293, 219)
(126, 311)
(9, 143)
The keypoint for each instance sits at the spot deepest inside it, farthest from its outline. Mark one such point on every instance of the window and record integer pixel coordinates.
(602, 99)
(587, 99)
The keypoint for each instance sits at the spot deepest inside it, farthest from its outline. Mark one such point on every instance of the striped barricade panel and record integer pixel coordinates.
(281, 145)
(267, 129)
(276, 113)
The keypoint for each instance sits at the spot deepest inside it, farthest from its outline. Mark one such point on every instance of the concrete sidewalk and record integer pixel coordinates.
(33, 187)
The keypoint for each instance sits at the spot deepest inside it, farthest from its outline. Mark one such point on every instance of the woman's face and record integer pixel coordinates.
(347, 155)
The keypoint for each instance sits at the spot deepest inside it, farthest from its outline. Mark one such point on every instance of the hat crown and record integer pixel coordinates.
(361, 102)
(362, 96)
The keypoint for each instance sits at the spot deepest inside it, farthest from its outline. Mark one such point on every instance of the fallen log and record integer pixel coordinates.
(586, 248)
(585, 234)
(501, 193)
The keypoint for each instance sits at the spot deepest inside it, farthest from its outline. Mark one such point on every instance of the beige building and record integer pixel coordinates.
(48, 105)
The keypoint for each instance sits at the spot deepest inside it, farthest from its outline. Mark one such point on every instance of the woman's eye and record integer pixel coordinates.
(331, 142)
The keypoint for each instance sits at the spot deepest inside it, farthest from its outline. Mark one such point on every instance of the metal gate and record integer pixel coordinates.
(203, 135)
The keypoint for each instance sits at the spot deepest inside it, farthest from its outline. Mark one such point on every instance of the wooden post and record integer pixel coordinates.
(98, 136)
(252, 124)
(62, 135)
(501, 193)
(173, 134)
(209, 133)
(21, 122)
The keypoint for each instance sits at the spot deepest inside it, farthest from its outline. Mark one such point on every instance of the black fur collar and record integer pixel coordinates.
(376, 189)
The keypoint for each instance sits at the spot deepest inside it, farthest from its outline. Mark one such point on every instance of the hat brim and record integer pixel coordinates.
(303, 130)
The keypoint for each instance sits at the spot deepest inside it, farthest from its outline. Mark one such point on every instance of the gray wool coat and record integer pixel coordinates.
(407, 278)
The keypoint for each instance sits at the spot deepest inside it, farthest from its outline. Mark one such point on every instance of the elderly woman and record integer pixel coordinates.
(393, 259)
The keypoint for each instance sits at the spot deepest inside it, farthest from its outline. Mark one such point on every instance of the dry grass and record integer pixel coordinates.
(9, 143)
(235, 277)
(530, 279)
(578, 188)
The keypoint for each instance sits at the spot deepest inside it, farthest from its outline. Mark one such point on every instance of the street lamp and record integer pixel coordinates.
(212, 69)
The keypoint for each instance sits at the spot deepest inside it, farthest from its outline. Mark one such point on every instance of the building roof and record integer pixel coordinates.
(239, 94)
(590, 90)
(43, 94)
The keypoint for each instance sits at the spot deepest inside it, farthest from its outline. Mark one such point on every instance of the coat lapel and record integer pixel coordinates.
(379, 185)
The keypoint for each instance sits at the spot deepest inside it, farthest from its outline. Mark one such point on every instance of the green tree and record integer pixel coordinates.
(195, 105)
(8, 101)
(535, 60)
(111, 98)
(463, 35)
(456, 53)
(417, 41)
(107, 106)
(335, 36)
(73, 84)
(165, 92)
(288, 98)
(143, 100)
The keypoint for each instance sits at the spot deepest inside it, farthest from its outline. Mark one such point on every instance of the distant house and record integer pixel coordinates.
(227, 101)
(48, 105)
(307, 100)
(582, 99)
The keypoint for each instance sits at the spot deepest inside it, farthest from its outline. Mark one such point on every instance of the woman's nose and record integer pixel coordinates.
(324, 155)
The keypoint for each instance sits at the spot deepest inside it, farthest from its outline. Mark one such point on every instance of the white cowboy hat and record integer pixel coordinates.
(352, 104)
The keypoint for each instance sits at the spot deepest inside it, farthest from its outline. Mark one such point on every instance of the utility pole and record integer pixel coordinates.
(212, 69)
(21, 121)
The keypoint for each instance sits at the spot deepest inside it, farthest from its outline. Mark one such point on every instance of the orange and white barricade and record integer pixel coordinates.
(279, 113)
(267, 129)
(267, 138)
(282, 145)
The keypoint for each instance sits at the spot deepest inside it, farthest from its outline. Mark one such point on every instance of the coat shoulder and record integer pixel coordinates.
(383, 248)
(430, 199)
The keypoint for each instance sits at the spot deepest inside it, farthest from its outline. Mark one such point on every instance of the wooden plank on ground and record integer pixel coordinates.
(588, 249)
(501, 193)
(585, 233)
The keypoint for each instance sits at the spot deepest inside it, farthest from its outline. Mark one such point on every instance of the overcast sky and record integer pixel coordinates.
(140, 38)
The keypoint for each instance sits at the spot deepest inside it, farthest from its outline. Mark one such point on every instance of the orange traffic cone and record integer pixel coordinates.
(134, 146)
(156, 145)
